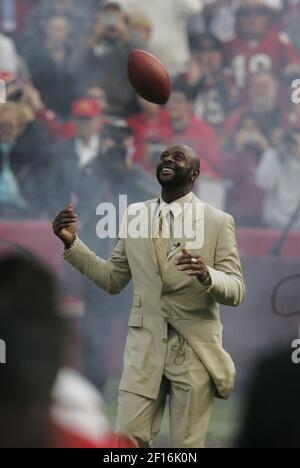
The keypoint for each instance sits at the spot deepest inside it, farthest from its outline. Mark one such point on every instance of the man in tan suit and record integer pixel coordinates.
(174, 342)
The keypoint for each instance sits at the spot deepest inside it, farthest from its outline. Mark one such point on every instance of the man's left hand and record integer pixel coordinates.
(193, 265)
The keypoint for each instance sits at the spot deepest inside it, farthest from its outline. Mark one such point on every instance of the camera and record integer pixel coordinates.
(17, 95)
(116, 130)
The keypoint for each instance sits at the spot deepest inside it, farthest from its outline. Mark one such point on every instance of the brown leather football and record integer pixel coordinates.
(149, 77)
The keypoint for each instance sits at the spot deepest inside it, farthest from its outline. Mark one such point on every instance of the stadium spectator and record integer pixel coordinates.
(36, 136)
(249, 133)
(169, 19)
(240, 161)
(104, 61)
(244, 198)
(21, 169)
(98, 94)
(258, 46)
(221, 16)
(213, 92)
(187, 129)
(116, 158)
(151, 130)
(140, 27)
(78, 14)
(32, 100)
(278, 175)
(73, 157)
(263, 90)
(49, 65)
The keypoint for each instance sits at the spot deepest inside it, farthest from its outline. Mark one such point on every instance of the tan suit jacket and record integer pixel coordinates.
(190, 308)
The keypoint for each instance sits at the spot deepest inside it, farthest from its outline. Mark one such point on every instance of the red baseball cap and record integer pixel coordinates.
(85, 108)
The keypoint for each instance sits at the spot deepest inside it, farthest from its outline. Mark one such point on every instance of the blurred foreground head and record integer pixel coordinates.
(273, 410)
(32, 332)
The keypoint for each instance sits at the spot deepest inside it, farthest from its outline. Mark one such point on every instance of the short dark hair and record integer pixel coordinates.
(180, 86)
(210, 39)
(264, 10)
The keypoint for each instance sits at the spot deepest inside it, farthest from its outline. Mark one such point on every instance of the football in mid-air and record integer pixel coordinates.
(149, 77)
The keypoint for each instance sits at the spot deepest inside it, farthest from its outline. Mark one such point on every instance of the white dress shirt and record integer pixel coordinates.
(173, 214)
(87, 152)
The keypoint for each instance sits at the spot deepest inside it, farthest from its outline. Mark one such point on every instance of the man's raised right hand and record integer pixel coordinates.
(64, 226)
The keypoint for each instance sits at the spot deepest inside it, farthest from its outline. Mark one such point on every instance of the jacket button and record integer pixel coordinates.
(165, 341)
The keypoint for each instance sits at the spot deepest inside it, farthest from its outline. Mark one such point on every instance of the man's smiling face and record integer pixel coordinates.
(178, 166)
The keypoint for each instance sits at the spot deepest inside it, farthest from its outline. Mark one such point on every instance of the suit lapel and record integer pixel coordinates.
(149, 212)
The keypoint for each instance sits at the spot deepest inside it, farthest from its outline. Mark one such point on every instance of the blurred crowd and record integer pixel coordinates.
(73, 129)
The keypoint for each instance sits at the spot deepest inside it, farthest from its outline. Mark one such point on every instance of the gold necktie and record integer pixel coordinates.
(161, 245)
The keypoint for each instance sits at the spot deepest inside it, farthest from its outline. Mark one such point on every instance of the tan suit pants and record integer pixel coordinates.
(191, 393)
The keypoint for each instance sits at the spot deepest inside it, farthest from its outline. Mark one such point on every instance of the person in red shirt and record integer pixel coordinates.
(187, 129)
(78, 415)
(151, 130)
(240, 160)
(258, 44)
(264, 105)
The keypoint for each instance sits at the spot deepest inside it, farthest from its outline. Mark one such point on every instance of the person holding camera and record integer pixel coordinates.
(103, 60)
(278, 175)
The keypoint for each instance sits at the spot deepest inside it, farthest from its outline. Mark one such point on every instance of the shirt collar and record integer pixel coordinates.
(177, 206)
